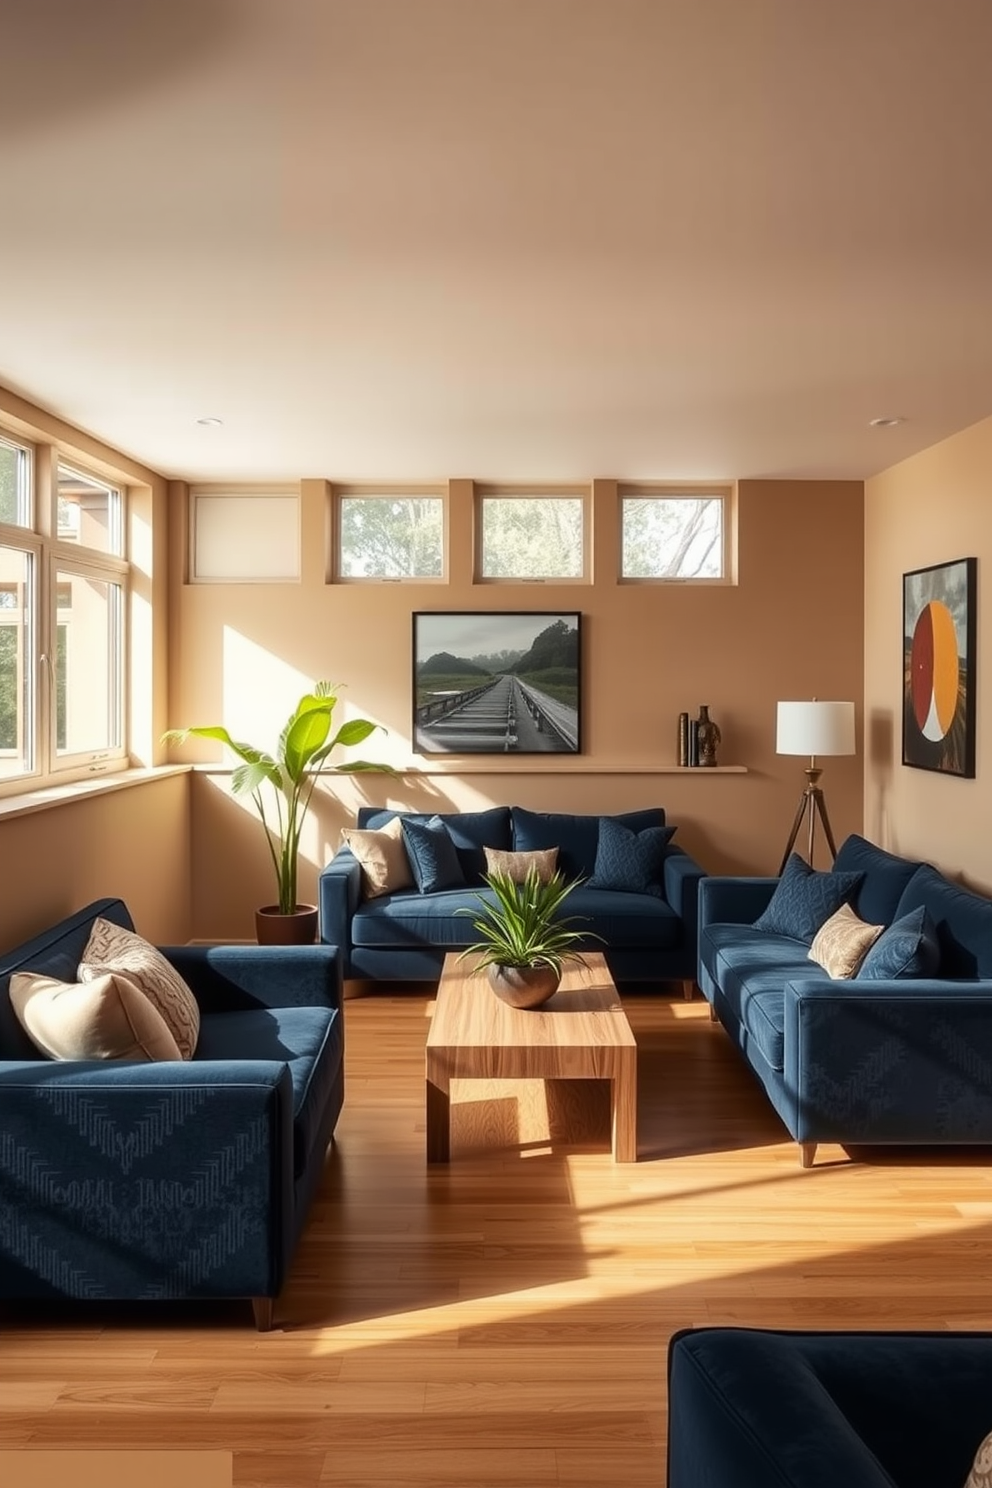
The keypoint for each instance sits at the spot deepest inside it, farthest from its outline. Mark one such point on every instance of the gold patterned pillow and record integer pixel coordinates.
(111, 948)
(107, 1018)
(514, 865)
(981, 1470)
(841, 944)
(382, 855)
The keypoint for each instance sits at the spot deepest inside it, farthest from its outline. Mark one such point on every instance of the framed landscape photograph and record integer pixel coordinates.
(938, 712)
(497, 682)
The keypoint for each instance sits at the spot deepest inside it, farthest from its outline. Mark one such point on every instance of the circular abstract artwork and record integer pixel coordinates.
(938, 721)
(934, 665)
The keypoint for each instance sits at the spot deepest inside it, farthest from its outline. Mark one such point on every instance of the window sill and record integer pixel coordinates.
(60, 795)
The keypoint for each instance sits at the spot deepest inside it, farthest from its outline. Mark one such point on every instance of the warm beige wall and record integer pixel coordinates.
(791, 628)
(930, 509)
(133, 843)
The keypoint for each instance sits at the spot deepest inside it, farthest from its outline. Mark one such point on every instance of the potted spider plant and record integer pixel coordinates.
(288, 779)
(523, 940)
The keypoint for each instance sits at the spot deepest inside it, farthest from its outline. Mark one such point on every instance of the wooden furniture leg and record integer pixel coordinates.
(438, 1118)
(623, 1104)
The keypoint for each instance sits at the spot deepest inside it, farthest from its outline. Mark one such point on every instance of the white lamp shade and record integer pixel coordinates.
(815, 728)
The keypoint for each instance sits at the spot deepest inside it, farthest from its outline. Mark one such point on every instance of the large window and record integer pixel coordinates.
(63, 588)
(531, 536)
(389, 535)
(674, 534)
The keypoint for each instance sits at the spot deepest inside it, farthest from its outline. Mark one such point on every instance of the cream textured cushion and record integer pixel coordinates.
(514, 865)
(841, 944)
(981, 1470)
(107, 1018)
(382, 854)
(110, 948)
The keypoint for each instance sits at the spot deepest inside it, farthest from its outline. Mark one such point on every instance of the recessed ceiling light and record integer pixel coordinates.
(210, 423)
(886, 423)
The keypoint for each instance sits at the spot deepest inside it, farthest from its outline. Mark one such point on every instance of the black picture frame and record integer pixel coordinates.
(497, 682)
(939, 672)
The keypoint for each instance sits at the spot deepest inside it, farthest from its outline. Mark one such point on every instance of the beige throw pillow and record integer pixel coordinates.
(981, 1470)
(841, 944)
(382, 855)
(110, 948)
(106, 1018)
(514, 865)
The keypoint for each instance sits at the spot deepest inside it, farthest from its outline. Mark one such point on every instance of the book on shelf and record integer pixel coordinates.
(683, 738)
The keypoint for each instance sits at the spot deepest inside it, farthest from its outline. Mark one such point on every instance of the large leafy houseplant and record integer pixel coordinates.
(523, 939)
(293, 772)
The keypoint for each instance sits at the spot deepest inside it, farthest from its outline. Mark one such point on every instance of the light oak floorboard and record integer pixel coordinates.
(504, 1319)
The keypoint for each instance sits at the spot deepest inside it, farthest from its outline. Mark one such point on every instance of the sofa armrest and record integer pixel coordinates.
(146, 1180)
(744, 1410)
(734, 901)
(227, 977)
(683, 875)
(339, 893)
(900, 1061)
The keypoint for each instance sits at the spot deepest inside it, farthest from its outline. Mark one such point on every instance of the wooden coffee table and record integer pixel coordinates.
(581, 1034)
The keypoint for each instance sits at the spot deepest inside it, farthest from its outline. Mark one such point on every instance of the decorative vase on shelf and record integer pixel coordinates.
(709, 736)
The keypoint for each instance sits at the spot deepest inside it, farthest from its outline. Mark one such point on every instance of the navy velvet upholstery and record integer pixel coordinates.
(432, 855)
(122, 1180)
(908, 948)
(860, 1061)
(646, 936)
(748, 1408)
(804, 900)
(631, 861)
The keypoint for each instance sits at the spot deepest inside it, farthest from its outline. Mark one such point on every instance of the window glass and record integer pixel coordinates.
(16, 672)
(532, 537)
(88, 663)
(15, 484)
(390, 537)
(89, 512)
(672, 537)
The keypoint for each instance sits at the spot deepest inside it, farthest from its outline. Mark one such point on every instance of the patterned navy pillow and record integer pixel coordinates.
(908, 948)
(432, 855)
(630, 862)
(804, 900)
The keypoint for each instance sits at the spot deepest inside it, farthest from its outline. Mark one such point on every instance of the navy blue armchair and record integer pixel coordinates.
(123, 1180)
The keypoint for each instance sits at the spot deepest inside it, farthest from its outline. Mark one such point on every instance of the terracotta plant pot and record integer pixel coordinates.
(274, 928)
(524, 986)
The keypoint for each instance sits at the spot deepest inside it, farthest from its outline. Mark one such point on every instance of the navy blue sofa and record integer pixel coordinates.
(123, 1180)
(405, 936)
(908, 1060)
(748, 1408)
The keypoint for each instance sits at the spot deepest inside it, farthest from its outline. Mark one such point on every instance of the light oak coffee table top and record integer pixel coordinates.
(582, 1033)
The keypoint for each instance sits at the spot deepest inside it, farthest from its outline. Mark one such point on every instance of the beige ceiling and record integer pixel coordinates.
(509, 239)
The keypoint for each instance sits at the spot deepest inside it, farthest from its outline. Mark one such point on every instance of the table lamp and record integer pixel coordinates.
(813, 728)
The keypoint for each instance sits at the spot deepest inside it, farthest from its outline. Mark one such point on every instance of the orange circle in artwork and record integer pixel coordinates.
(934, 670)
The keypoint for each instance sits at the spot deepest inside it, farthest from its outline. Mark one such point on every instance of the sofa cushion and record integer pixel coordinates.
(804, 900)
(106, 1018)
(576, 837)
(842, 942)
(382, 856)
(516, 865)
(625, 921)
(432, 855)
(908, 948)
(629, 861)
(876, 898)
(751, 967)
(470, 831)
(112, 948)
(307, 1039)
(963, 921)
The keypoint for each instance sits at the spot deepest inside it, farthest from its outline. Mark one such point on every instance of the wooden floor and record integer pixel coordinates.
(504, 1321)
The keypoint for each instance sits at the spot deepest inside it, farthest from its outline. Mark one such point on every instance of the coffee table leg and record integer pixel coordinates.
(438, 1121)
(623, 1101)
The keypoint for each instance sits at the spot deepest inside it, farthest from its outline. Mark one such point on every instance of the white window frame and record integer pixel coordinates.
(532, 492)
(385, 491)
(724, 492)
(50, 555)
(243, 493)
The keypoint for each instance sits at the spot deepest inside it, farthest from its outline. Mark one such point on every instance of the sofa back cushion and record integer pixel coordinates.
(471, 832)
(804, 900)
(575, 836)
(885, 878)
(963, 921)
